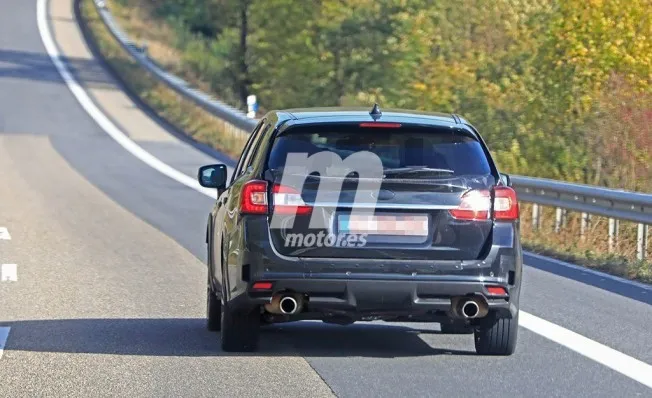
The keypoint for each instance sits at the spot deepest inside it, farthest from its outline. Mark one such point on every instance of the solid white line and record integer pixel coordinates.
(4, 234)
(4, 334)
(628, 366)
(100, 118)
(9, 272)
(615, 360)
(639, 285)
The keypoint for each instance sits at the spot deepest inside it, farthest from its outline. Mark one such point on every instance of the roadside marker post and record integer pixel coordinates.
(252, 106)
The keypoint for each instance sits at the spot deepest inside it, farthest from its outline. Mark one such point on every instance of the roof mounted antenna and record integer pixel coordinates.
(375, 112)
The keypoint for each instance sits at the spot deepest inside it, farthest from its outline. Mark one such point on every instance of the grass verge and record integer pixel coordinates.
(184, 115)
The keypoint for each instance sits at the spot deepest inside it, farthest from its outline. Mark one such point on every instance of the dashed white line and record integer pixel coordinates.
(9, 272)
(611, 358)
(4, 334)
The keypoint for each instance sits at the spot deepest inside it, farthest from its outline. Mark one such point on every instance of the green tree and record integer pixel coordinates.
(543, 80)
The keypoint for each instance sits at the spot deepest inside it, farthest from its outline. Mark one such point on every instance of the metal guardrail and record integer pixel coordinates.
(615, 204)
(587, 199)
(219, 109)
(623, 205)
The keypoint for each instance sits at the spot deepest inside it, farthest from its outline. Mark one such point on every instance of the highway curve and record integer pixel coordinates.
(108, 293)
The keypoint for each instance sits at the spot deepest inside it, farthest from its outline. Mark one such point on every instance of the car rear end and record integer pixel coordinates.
(432, 235)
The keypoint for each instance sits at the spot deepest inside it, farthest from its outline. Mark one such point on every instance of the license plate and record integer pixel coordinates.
(394, 225)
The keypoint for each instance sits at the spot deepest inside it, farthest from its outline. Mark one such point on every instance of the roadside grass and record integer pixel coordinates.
(135, 17)
(183, 114)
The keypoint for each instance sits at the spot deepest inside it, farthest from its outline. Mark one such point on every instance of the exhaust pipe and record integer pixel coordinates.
(469, 307)
(288, 305)
(285, 304)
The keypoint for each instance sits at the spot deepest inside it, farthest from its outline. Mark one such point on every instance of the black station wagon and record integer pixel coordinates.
(346, 215)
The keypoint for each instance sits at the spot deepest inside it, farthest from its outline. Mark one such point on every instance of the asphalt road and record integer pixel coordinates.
(109, 293)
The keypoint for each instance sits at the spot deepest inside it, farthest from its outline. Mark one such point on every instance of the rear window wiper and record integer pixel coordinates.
(416, 169)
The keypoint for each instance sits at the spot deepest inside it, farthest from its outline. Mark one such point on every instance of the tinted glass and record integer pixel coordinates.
(256, 145)
(434, 148)
(240, 167)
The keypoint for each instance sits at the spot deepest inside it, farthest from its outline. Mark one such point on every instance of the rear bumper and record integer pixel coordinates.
(368, 297)
(376, 286)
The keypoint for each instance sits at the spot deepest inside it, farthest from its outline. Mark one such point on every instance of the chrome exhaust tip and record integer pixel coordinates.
(466, 307)
(285, 304)
(288, 305)
(470, 309)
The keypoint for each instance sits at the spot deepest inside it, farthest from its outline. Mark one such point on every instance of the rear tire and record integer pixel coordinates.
(240, 331)
(213, 307)
(497, 336)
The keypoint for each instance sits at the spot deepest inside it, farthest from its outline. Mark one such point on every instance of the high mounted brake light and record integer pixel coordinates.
(476, 205)
(381, 125)
(254, 198)
(288, 200)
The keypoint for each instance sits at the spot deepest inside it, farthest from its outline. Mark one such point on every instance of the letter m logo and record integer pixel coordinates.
(333, 171)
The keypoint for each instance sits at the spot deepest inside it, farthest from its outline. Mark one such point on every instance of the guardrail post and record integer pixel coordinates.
(641, 242)
(536, 217)
(613, 231)
(584, 223)
(559, 214)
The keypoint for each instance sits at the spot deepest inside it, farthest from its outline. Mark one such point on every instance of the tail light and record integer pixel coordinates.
(288, 200)
(254, 198)
(505, 204)
(476, 205)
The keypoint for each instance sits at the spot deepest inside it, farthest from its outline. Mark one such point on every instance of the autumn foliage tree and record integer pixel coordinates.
(560, 89)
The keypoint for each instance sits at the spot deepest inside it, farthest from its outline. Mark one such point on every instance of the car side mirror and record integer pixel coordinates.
(505, 180)
(212, 176)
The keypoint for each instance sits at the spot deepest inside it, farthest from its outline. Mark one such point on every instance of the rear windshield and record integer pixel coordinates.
(413, 150)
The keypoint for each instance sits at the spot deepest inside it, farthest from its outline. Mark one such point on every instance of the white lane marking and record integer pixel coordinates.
(9, 272)
(4, 334)
(639, 285)
(628, 366)
(100, 118)
(558, 334)
(4, 234)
